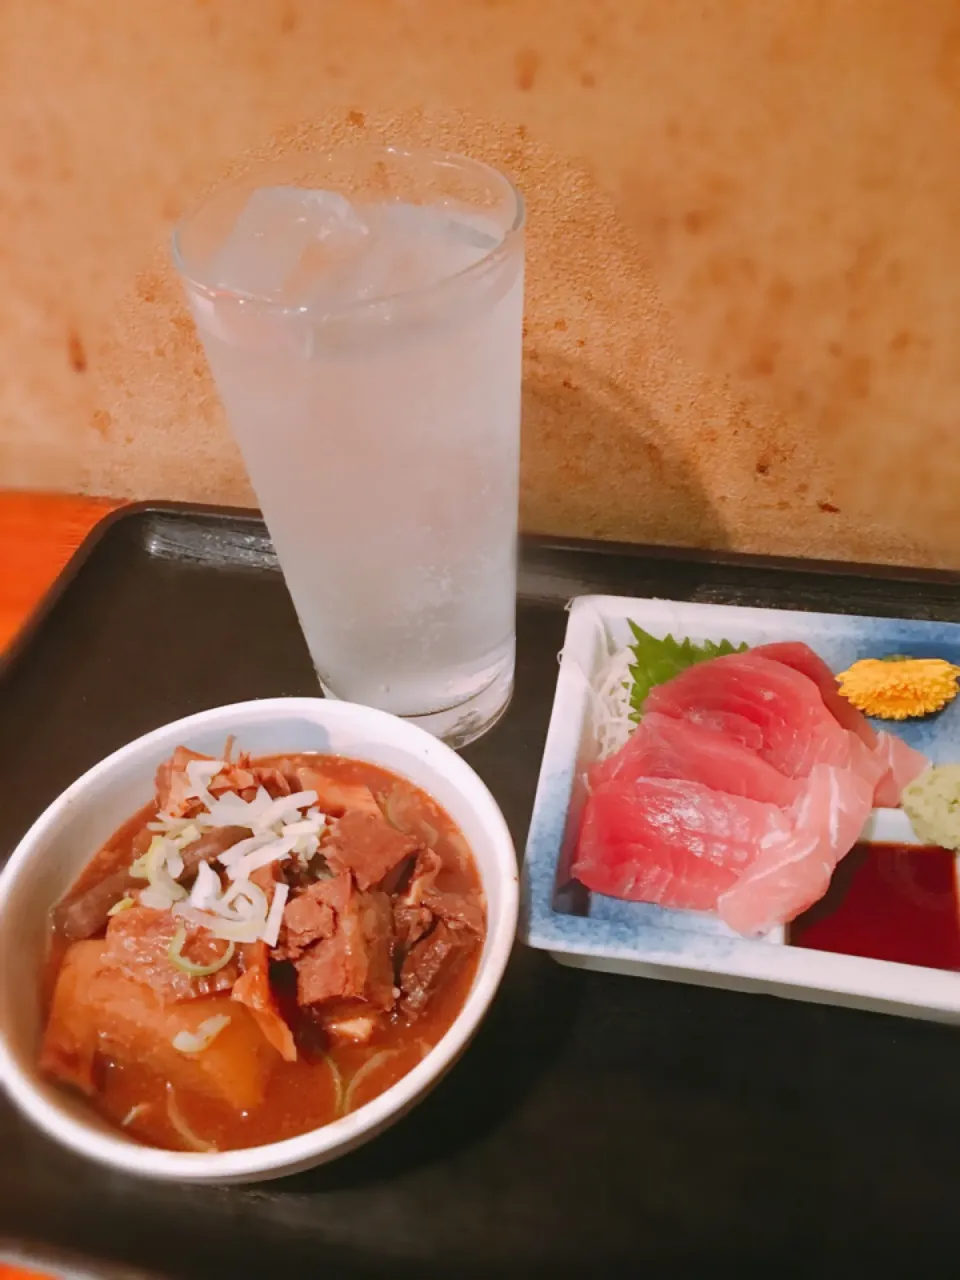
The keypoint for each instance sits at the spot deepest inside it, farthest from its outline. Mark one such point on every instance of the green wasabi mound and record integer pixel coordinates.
(932, 803)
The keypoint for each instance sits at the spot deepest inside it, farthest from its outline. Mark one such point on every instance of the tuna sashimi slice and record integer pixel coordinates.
(673, 842)
(793, 870)
(767, 707)
(901, 764)
(898, 763)
(799, 656)
(662, 747)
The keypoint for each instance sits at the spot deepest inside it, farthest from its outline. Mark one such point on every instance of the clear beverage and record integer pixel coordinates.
(365, 337)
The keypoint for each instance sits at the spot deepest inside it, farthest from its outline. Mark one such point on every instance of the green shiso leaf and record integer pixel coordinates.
(657, 661)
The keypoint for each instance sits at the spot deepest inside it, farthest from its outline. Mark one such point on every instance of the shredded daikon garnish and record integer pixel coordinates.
(271, 930)
(610, 701)
(207, 1031)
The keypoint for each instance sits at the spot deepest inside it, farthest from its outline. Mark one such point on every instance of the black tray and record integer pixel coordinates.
(598, 1126)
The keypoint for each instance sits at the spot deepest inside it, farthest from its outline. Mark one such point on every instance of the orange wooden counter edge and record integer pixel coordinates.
(39, 532)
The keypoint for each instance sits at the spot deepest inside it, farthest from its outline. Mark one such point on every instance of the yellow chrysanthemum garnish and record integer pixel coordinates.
(900, 688)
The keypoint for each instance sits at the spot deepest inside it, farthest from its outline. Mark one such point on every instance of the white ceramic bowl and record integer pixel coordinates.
(68, 833)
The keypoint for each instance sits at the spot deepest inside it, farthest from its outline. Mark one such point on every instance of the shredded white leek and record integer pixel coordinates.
(138, 868)
(167, 824)
(156, 860)
(155, 899)
(308, 827)
(241, 913)
(206, 888)
(231, 810)
(187, 836)
(271, 930)
(207, 1031)
(244, 900)
(173, 863)
(200, 773)
(305, 849)
(285, 809)
(229, 930)
(243, 847)
(123, 905)
(276, 851)
(134, 1113)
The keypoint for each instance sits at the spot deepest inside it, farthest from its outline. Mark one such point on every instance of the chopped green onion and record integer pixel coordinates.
(337, 1084)
(157, 873)
(193, 1140)
(123, 905)
(175, 952)
(390, 812)
(362, 1074)
(461, 850)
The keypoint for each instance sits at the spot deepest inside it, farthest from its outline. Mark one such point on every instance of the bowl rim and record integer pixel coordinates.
(341, 1135)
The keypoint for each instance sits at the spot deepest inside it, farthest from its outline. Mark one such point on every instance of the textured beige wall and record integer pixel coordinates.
(744, 246)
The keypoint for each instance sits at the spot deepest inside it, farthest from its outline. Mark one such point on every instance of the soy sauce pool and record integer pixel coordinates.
(888, 902)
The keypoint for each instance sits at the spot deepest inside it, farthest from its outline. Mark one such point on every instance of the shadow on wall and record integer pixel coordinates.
(597, 459)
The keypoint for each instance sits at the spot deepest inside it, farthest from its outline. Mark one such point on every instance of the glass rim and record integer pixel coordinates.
(219, 292)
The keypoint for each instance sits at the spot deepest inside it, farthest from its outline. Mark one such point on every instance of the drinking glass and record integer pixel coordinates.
(361, 313)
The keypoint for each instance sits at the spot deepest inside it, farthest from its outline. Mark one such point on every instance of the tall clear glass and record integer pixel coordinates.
(368, 356)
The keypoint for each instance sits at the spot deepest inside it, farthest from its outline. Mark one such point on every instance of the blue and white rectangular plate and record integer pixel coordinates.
(594, 932)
